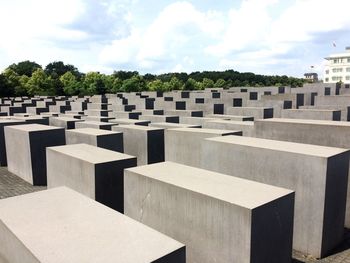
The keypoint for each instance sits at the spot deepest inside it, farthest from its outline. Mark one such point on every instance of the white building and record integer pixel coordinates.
(338, 68)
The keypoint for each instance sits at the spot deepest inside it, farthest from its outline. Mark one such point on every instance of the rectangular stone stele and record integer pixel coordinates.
(3, 123)
(92, 171)
(183, 145)
(318, 174)
(25, 150)
(146, 143)
(110, 140)
(220, 218)
(60, 225)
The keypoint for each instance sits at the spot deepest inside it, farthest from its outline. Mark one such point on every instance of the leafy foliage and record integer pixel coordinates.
(27, 78)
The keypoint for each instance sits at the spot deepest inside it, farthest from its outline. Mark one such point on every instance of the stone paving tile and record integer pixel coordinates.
(11, 185)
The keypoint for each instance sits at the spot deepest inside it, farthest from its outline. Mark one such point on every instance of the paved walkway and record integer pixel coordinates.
(11, 185)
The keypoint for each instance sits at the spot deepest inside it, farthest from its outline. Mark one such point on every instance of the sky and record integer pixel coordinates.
(271, 37)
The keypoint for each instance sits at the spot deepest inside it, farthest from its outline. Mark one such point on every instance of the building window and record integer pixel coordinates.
(335, 61)
(348, 60)
(327, 79)
(336, 70)
(347, 77)
(327, 71)
(337, 78)
(347, 69)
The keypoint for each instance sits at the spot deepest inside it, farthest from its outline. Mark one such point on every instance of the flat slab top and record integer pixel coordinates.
(66, 118)
(172, 125)
(30, 117)
(305, 121)
(33, 127)
(247, 123)
(60, 225)
(92, 131)
(252, 108)
(311, 110)
(9, 121)
(100, 123)
(283, 146)
(137, 127)
(89, 153)
(228, 116)
(207, 131)
(131, 121)
(234, 190)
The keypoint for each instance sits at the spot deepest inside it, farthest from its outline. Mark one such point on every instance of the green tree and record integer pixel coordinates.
(220, 83)
(175, 84)
(57, 68)
(207, 83)
(155, 85)
(12, 82)
(134, 84)
(71, 86)
(25, 68)
(40, 84)
(93, 84)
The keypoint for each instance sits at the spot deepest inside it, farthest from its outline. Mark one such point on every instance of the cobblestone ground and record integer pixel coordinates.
(11, 185)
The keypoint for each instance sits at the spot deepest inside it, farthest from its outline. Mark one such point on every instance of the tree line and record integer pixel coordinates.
(28, 78)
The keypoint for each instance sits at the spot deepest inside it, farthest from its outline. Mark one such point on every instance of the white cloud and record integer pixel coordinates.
(173, 29)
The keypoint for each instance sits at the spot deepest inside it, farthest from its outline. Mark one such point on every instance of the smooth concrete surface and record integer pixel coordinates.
(95, 125)
(220, 218)
(169, 125)
(64, 122)
(110, 140)
(318, 174)
(313, 114)
(130, 121)
(184, 145)
(247, 127)
(146, 143)
(60, 225)
(25, 150)
(92, 171)
(326, 133)
(3, 123)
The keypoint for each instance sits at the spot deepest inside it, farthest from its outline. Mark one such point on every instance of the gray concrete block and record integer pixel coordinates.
(184, 145)
(170, 125)
(326, 133)
(313, 114)
(146, 143)
(60, 225)
(247, 127)
(130, 121)
(318, 174)
(95, 125)
(92, 171)
(101, 138)
(256, 112)
(25, 150)
(64, 122)
(220, 218)
(3, 123)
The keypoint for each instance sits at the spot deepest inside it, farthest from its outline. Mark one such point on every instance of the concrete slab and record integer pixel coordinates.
(110, 140)
(25, 150)
(92, 171)
(146, 143)
(63, 226)
(220, 218)
(318, 174)
(184, 145)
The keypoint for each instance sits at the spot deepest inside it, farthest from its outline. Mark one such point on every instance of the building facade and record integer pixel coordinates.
(338, 68)
(311, 77)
